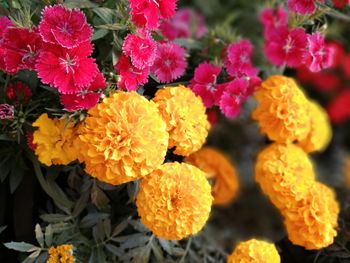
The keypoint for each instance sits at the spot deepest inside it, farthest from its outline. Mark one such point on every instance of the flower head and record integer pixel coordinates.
(170, 63)
(218, 168)
(7, 111)
(203, 83)
(18, 92)
(130, 77)
(283, 110)
(174, 201)
(186, 23)
(320, 133)
(30, 138)
(303, 7)
(272, 20)
(318, 55)
(68, 70)
(65, 27)
(184, 114)
(21, 49)
(85, 99)
(54, 139)
(312, 221)
(61, 254)
(284, 173)
(147, 13)
(5, 23)
(122, 139)
(254, 251)
(141, 48)
(238, 62)
(339, 108)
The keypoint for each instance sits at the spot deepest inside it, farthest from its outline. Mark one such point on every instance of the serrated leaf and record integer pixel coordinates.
(39, 235)
(21, 246)
(48, 235)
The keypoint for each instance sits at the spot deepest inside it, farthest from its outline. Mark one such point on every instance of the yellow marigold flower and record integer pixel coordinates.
(123, 138)
(174, 201)
(320, 133)
(284, 173)
(282, 111)
(312, 221)
(184, 114)
(254, 251)
(218, 167)
(54, 139)
(61, 254)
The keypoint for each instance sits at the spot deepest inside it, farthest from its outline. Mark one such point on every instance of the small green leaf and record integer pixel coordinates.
(114, 250)
(39, 235)
(79, 4)
(120, 228)
(157, 251)
(21, 246)
(99, 33)
(167, 246)
(54, 218)
(106, 14)
(48, 235)
(35, 254)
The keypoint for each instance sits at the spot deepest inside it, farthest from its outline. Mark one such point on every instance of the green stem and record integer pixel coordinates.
(188, 245)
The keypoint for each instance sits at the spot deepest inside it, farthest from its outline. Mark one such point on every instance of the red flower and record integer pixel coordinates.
(130, 77)
(318, 55)
(286, 48)
(347, 65)
(86, 98)
(203, 83)
(338, 53)
(4, 24)
(339, 108)
(147, 13)
(212, 116)
(18, 92)
(64, 27)
(68, 70)
(185, 23)
(170, 62)
(272, 20)
(30, 143)
(141, 48)
(21, 49)
(238, 61)
(303, 7)
(340, 3)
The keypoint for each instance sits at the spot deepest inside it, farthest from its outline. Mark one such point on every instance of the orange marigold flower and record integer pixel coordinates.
(54, 139)
(254, 251)
(184, 114)
(312, 221)
(61, 254)
(347, 171)
(284, 173)
(320, 133)
(218, 167)
(283, 110)
(174, 201)
(123, 138)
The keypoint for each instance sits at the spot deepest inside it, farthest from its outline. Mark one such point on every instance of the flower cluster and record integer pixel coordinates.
(18, 92)
(293, 47)
(61, 254)
(122, 139)
(7, 111)
(174, 201)
(184, 115)
(142, 55)
(219, 169)
(230, 95)
(254, 251)
(54, 141)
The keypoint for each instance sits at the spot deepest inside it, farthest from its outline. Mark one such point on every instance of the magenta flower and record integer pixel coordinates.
(286, 47)
(7, 111)
(87, 98)
(141, 48)
(170, 62)
(5, 23)
(130, 77)
(272, 20)
(186, 23)
(203, 83)
(318, 56)
(238, 61)
(65, 27)
(68, 70)
(303, 7)
(21, 48)
(147, 13)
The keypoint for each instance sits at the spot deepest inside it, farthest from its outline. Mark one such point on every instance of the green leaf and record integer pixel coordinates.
(54, 218)
(98, 197)
(79, 4)
(114, 26)
(120, 227)
(42, 258)
(35, 254)
(137, 225)
(142, 256)
(39, 235)
(91, 219)
(81, 204)
(157, 251)
(99, 33)
(17, 172)
(21, 246)
(166, 245)
(2, 229)
(135, 240)
(107, 227)
(114, 250)
(48, 235)
(106, 14)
